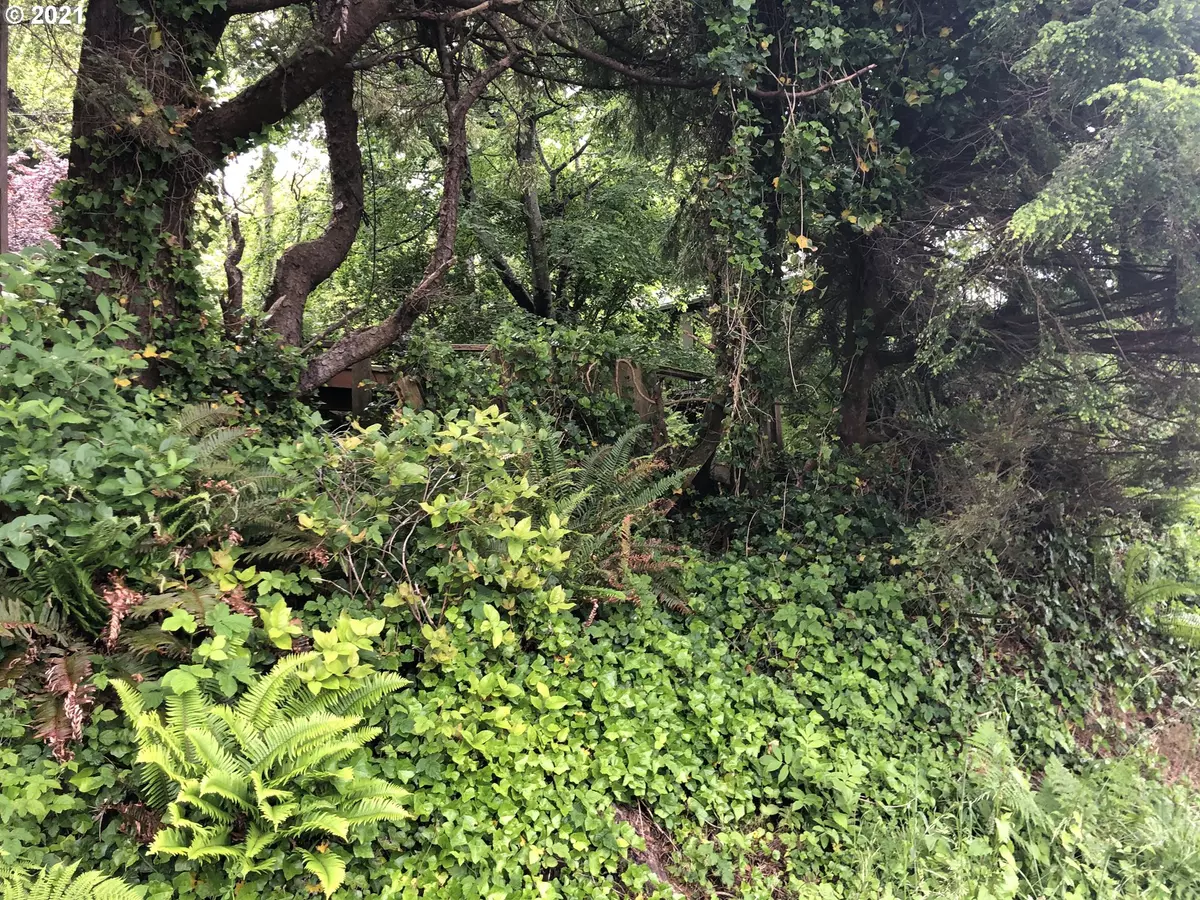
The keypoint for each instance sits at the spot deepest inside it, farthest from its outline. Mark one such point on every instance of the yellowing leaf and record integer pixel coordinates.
(863, 166)
(803, 242)
(305, 520)
(150, 352)
(716, 88)
(911, 98)
(156, 38)
(122, 382)
(807, 285)
(775, 182)
(946, 32)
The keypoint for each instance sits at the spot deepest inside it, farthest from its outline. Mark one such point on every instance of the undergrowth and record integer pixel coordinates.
(561, 681)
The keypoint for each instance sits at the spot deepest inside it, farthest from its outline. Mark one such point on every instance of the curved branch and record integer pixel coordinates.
(305, 265)
(366, 342)
(249, 7)
(346, 26)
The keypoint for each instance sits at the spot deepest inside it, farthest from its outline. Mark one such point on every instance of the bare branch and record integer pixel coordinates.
(326, 52)
(789, 94)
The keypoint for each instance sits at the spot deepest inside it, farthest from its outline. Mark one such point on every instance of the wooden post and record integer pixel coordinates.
(359, 395)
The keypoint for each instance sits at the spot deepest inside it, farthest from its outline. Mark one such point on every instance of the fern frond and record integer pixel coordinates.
(196, 418)
(329, 868)
(215, 444)
(260, 705)
(352, 702)
(60, 882)
(375, 809)
(1181, 624)
(320, 823)
(287, 740)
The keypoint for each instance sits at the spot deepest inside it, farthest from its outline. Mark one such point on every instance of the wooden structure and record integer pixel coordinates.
(349, 391)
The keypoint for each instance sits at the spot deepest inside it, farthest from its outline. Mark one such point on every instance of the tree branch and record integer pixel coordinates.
(545, 28)
(339, 34)
(366, 342)
(305, 265)
(249, 7)
(788, 94)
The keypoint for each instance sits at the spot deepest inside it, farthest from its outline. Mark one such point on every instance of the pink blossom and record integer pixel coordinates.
(31, 207)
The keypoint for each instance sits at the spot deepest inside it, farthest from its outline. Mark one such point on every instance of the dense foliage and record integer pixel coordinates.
(558, 450)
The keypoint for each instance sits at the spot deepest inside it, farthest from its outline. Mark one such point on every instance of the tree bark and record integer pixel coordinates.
(366, 342)
(867, 316)
(305, 265)
(145, 138)
(535, 228)
(234, 302)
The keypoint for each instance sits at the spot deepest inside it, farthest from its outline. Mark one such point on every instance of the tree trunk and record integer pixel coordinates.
(366, 342)
(858, 376)
(132, 180)
(535, 229)
(305, 265)
(145, 138)
(234, 303)
(868, 314)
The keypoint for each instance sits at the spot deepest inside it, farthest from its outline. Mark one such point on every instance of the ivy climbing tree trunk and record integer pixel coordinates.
(146, 137)
(132, 183)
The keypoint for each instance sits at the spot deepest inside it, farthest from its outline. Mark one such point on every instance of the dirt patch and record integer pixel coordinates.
(1170, 733)
(660, 850)
(1179, 745)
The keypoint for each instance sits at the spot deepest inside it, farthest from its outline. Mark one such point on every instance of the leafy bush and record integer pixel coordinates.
(79, 454)
(568, 373)
(1106, 831)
